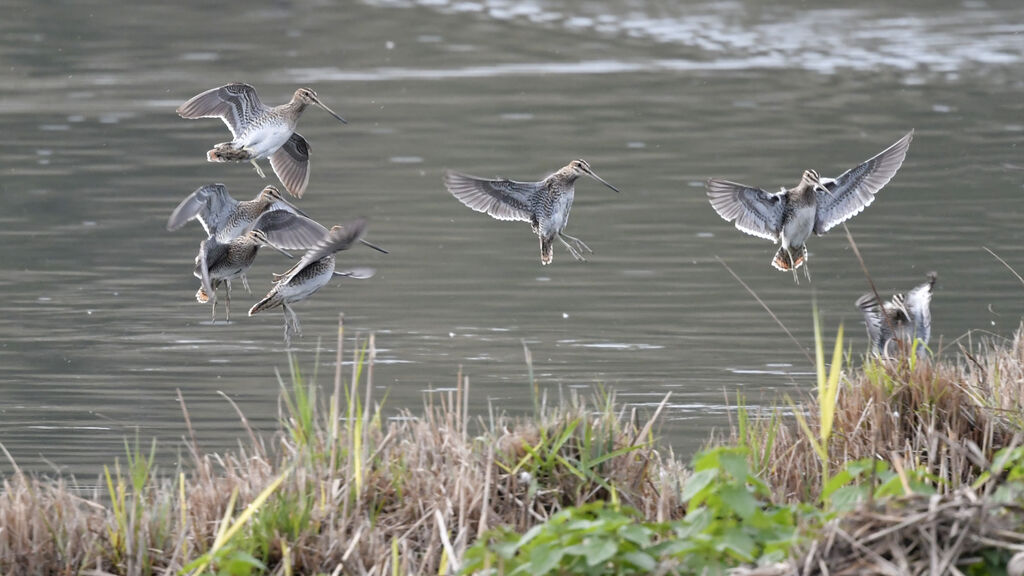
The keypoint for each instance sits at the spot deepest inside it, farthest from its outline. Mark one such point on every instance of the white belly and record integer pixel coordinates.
(798, 228)
(265, 140)
(305, 285)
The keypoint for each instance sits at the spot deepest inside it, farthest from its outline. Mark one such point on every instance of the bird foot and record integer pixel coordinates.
(257, 167)
(576, 248)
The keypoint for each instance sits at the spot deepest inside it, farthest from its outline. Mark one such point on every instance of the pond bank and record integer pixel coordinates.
(341, 489)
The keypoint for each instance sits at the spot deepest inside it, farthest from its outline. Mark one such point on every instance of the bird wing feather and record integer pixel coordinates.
(337, 238)
(500, 198)
(211, 204)
(289, 230)
(879, 331)
(291, 164)
(236, 104)
(918, 305)
(753, 210)
(853, 190)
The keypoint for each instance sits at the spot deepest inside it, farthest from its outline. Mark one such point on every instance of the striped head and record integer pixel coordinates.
(258, 236)
(811, 180)
(578, 168)
(252, 238)
(270, 194)
(305, 96)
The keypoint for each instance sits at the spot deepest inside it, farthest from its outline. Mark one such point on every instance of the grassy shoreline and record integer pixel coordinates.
(338, 489)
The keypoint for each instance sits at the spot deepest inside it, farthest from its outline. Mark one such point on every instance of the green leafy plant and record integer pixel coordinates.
(828, 394)
(593, 539)
(729, 521)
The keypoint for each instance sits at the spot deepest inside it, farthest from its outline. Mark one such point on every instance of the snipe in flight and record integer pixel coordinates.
(902, 324)
(816, 204)
(311, 273)
(544, 204)
(226, 218)
(219, 263)
(259, 131)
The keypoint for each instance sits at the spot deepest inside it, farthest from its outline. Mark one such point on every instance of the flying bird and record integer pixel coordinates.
(219, 263)
(226, 218)
(311, 273)
(544, 204)
(816, 204)
(259, 131)
(903, 322)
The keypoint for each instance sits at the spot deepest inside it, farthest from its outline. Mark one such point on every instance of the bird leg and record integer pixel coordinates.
(245, 284)
(580, 244)
(807, 269)
(227, 306)
(213, 304)
(291, 324)
(257, 167)
(572, 250)
(295, 321)
(796, 277)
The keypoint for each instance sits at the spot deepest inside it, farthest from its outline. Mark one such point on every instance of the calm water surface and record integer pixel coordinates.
(99, 327)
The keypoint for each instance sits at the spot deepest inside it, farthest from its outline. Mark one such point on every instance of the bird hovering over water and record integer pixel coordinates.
(311, 273)
(544, 204)
(219, 263)
(259, 131)
(900, 322)
(226, 218)
(816, 204)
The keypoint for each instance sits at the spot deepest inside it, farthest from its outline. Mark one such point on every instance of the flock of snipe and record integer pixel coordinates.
(236, 230)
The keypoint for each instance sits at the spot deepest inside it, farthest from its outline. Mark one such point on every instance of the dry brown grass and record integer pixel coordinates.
(361, 494)
(944, 416)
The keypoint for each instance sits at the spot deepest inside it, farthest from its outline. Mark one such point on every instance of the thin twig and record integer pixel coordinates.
(1008, 267)
(871, 281)
(769, 310)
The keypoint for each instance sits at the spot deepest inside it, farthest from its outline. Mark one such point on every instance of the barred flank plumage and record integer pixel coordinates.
(272, 301)
(225, 153)
(547, 252)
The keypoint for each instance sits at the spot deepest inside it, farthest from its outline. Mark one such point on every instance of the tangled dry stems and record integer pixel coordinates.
(945, 416)
(414, 491)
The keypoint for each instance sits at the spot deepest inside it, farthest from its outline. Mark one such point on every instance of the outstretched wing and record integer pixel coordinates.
(501, 199)
(337, 238)
(289, 230)
(879, 331)
(754, 211)
(203, 259)
(211, 204)
(291, 164)
(918, 304)
(236, 104)
(855, 189)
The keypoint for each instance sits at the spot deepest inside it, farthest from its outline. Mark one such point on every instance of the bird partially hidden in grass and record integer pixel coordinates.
(544, 204)
(311, 273)
(902, 324)
(218, 263)
(259, 131)
(816, 204)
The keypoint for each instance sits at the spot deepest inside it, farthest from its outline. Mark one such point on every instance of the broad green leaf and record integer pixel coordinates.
(735, 463)
(739, 500)
(641, 560)
(637, 534)
(598, 550)
(736, 541)
(697, 483)
(544, 559)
